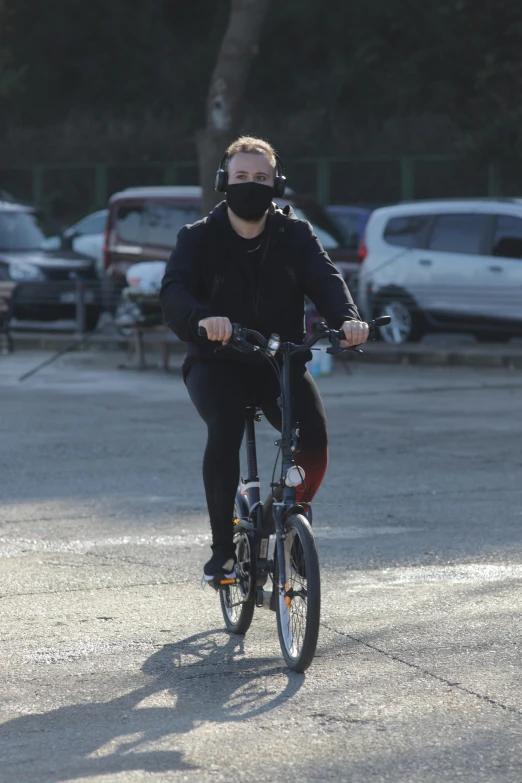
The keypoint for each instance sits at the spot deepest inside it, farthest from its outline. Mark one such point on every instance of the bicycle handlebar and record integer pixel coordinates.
(274, 344)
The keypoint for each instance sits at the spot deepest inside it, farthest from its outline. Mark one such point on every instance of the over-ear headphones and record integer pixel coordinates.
(279, 179)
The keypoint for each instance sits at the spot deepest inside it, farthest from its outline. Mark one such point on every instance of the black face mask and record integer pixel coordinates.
(249, 200)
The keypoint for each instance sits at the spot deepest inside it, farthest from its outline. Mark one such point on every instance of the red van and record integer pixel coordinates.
(143, 223)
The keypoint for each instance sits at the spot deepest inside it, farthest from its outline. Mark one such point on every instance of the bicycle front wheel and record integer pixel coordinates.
(299, 607)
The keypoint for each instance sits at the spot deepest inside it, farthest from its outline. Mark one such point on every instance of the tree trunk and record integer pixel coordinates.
(227, 86)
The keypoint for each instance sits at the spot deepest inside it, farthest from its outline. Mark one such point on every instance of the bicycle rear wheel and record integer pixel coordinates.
(298, 610)
(237, 600)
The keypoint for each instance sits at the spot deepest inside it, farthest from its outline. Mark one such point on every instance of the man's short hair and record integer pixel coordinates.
(252, 144)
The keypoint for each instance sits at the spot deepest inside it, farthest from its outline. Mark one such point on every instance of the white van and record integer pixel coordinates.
(449, 265)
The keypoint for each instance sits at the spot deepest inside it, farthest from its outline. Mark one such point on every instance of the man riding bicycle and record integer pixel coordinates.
(250, 262)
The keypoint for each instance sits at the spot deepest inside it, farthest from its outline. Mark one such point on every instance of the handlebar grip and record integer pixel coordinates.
(383, 320)
(202, 332)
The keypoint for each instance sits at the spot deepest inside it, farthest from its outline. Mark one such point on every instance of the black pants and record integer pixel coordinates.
(220, 391)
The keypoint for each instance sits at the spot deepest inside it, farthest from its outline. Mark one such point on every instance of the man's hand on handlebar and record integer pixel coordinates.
(356, 333)
(352, 334)
(218, 329)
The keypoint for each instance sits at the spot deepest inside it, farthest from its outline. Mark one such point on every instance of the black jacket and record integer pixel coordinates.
(205, 276)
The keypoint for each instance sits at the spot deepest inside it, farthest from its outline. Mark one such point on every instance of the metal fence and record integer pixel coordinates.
(72, 190)
(464, 305)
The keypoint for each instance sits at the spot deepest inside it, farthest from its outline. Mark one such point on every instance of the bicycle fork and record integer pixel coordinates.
(291, 474)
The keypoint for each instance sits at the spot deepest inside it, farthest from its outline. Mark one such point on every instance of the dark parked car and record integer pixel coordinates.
(35, 255)
(88, 235)
(352, 221)
(143, 224)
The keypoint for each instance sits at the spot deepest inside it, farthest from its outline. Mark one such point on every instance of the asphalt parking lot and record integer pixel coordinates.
(115, 665)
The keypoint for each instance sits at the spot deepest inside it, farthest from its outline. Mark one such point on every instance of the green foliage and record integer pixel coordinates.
(330, 76)
(10, 77)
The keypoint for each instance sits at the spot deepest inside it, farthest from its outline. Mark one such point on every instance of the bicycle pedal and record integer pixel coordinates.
(219, 582)
(215, 583)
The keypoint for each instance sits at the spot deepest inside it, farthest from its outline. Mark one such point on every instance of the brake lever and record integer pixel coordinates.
(336, 348)
(243, 346)
(335, 351)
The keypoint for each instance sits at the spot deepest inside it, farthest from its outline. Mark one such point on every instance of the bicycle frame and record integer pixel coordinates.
(289, 446)
(248, 498)
(250, 507)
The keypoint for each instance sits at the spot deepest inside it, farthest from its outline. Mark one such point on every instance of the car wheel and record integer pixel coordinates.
(405, 325)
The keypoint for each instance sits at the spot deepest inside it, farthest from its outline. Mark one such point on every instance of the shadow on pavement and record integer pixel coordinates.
(100, 738)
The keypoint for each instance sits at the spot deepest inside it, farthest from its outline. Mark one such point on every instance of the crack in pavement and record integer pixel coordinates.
(93, 589)
(56, 518)
(449, 683)
(130, 560)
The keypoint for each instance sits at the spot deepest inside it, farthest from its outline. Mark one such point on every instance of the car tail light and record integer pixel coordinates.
(105, 249)
(363, 250)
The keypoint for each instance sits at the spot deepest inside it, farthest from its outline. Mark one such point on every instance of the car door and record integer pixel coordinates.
(503, 270)
(401, 266)
(455, 255)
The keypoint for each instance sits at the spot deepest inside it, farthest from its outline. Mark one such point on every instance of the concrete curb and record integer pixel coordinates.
(456, 354)
(56, 341)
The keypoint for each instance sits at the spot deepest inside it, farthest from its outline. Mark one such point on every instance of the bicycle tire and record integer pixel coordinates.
(298, 644)
(237, 601)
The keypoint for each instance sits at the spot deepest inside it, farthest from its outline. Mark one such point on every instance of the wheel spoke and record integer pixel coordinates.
(293, 605)
(237, 593)
(299, 604)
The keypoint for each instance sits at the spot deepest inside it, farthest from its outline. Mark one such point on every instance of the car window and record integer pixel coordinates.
(507, 241)
(25, 230)
(91, 225)
(163, 221)
(457, 233)
(327, 232)
(406, 231)
(349, 223)
(130, 223)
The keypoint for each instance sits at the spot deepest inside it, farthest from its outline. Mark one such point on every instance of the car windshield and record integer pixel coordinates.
(329, 234)
(92, 224)
(154, 222)
(25, 230)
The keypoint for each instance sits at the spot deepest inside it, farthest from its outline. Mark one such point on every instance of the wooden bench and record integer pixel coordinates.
(150, 335)
(6, 312)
